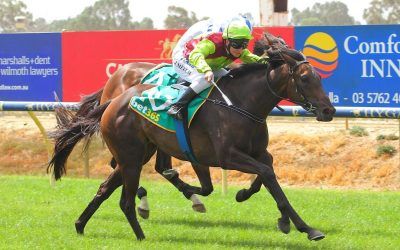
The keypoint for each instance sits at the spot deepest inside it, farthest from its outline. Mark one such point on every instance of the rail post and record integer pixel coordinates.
(224, 180)
(47, 142)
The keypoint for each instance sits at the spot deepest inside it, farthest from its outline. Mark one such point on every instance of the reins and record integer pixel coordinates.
(304, 103)
(237, 109)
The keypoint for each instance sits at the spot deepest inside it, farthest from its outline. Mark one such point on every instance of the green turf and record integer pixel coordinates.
(34, 215)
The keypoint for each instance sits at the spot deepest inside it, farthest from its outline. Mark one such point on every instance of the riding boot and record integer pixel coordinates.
(176, 108)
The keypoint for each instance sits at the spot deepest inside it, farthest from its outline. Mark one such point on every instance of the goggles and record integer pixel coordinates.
(238, 44)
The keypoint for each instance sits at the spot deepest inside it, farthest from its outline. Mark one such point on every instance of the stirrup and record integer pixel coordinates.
(175, 111)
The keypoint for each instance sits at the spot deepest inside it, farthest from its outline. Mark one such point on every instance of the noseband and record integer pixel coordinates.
(305, 103)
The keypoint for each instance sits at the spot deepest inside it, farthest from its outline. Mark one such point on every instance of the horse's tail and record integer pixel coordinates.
(65, 117)
(67, 136)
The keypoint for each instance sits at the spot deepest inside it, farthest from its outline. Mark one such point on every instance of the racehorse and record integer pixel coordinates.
(125, 77)
(217, 141)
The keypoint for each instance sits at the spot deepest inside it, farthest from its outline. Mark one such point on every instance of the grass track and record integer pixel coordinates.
(34, 215)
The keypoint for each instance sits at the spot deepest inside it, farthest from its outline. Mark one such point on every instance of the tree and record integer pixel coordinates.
(329, 13)
(39, 25)
(9, 11)
(145, 24)
(178, 18)
(103, 15)
(383, 12)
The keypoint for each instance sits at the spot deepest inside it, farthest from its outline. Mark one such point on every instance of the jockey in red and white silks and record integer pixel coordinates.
(205, 56)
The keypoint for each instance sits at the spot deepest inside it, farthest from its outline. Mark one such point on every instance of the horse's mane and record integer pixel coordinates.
(275, 47)
(275, 58)
(295, 54)
(246, 69)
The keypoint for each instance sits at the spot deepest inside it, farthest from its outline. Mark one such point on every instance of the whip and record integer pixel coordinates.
(223, 95)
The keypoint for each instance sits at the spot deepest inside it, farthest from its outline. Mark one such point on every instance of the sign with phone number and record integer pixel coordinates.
(358, 68)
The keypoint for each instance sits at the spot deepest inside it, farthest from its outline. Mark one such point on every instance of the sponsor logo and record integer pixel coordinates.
(168, 46)
(146, 111)
(322, 52)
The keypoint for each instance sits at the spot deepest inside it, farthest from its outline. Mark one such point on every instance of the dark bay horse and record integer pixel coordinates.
(220, 137)
(124, 78)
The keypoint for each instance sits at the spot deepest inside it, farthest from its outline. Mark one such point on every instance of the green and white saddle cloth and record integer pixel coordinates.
(154, 103)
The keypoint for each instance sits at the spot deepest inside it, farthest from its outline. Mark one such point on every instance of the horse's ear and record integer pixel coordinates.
(274, 41)
(268, 38)
(260, 47)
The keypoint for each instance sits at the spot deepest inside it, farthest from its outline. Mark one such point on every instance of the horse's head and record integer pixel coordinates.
(303, 83)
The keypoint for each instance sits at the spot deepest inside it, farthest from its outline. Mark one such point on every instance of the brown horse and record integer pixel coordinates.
(214, 132)
(125, 77)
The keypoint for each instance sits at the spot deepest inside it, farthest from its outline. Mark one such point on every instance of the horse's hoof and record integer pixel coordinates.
(284, 226)
(79, 227)
(143, 213)
(140, 237)
(315, 235)
(240, 195)
(199, 208)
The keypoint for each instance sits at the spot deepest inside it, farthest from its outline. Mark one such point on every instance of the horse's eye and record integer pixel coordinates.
(304, 78)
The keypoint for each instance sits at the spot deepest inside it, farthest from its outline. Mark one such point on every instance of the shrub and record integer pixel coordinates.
(391, 137)
(358, 131)
(381, 137)
(385, 150)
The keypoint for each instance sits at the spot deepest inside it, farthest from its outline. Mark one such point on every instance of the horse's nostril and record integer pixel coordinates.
(328, 111)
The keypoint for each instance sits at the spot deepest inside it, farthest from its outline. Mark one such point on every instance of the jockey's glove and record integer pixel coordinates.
(263, 60)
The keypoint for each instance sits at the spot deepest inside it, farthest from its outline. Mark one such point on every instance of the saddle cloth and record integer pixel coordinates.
(154, 103)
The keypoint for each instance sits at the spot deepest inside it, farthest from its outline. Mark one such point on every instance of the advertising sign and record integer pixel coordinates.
(90, 58)
(360, 65)
(30, 67)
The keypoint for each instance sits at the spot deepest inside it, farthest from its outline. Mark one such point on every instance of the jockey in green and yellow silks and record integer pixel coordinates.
(206, 56)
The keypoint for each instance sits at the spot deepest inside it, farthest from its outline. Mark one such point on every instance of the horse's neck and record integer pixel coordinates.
(250, 92)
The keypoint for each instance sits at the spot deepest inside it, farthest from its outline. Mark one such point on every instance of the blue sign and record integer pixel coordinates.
(360, 65)
(30, 67)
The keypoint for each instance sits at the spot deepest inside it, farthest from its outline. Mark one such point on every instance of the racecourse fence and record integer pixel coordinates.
(294, 111)
(288, 111)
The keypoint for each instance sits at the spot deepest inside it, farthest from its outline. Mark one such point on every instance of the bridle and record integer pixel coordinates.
(304, 102)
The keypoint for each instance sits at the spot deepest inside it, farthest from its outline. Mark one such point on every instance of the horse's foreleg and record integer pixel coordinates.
(203, 173)
(164, 168)
(245, 163)
(105, 190)
(244, 194)
(284, 221)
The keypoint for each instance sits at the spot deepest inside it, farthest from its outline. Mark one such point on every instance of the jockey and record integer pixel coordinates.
(206, 27)
(206, 56)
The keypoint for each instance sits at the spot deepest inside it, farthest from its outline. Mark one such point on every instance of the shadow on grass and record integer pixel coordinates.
(107, 235)
(215, 223)
(261, 242)
(238, 242)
